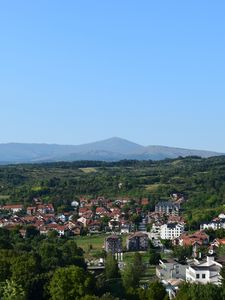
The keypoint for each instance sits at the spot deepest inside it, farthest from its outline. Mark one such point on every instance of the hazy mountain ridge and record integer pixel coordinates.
(112, 149)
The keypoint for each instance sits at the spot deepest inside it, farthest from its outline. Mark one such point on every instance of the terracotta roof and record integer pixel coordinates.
(17, 206)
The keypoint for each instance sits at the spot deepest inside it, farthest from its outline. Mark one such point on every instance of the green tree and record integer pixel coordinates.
(155, 291)
(208, 291)
(5, 264)
(12, 291)
(111, 267)
(69, 283)
(182, 253)
(51, 255)
(72, 255)
(23, 268)
(154, 257)
(132, 273)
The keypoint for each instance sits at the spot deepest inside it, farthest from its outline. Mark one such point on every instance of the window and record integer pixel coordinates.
(203, 275)
(197, 276)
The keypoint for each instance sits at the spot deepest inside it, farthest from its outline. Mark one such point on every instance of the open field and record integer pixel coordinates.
(88, 170)
(4, 197)
(93, 243)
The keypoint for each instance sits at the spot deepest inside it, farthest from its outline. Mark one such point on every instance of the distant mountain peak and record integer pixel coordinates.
(112, 149)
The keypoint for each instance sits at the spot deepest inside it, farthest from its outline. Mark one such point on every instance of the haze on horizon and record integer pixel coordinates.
(81, 71)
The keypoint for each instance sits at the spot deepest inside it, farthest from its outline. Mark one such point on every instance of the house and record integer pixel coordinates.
(31, 210)
(216, 223)
(93, 226)
(43, 230)
(61, 229)
(113, 244)
(204, 271)
(199, 237)
(155, 231)
(167, 208)
(125, 228)
(175, 219)
(137, 242)
(171, 269)
(172, 286)
(144, 201)
(218, 242)
(45, 208)
(83, 202)
(13, 207)
(101, 211)
(171, 231)
(83, 221)
(83, 210)
(114, 225)
(63, 217)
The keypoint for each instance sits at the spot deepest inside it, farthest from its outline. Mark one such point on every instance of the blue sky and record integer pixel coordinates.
(79, 71)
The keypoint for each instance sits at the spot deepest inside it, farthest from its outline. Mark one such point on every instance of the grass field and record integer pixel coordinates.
(88, 170)
(4, 197)
(94, 245)
(95, 242)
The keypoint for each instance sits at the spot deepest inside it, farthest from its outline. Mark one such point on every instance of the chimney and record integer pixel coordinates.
(210, 259)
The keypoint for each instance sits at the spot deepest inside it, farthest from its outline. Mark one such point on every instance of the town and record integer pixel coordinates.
(181, 255)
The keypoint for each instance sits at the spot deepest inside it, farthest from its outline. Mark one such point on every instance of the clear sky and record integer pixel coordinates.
(80, 71)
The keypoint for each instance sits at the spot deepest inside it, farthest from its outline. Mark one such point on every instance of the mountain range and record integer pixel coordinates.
(112, 149)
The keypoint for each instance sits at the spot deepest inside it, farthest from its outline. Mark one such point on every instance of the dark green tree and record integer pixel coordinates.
(70, 283)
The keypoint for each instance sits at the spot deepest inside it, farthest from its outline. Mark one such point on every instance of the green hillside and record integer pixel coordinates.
(201, 180)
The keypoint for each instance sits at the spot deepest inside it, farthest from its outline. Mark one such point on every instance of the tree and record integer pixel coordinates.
(72, 255)
(154, 257)
(208, 291)
(111, 267)
(69, 283)
(132, 272)
(182, 253)
(106, 296)
(155, 291)
(32, 231)
(5, 264)
(51, 255)
(13, 291)
(24, 267)
(222, 273)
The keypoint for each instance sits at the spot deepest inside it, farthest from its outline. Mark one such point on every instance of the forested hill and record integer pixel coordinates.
(201, 180)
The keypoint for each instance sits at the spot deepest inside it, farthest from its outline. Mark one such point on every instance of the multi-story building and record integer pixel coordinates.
(167, 208)
(113, 244)
(137, 242)
(204, 272)
(171, 231)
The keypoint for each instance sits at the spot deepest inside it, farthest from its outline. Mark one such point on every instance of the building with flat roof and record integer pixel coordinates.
(204, 272)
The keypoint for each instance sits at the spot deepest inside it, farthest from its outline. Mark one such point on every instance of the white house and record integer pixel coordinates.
(13, 207)
(171, 231)
(155, 231)
(204, 272)
(213, 225)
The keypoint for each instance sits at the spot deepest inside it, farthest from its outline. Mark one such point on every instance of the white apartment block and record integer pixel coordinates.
(171, 231)
(204, 272)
